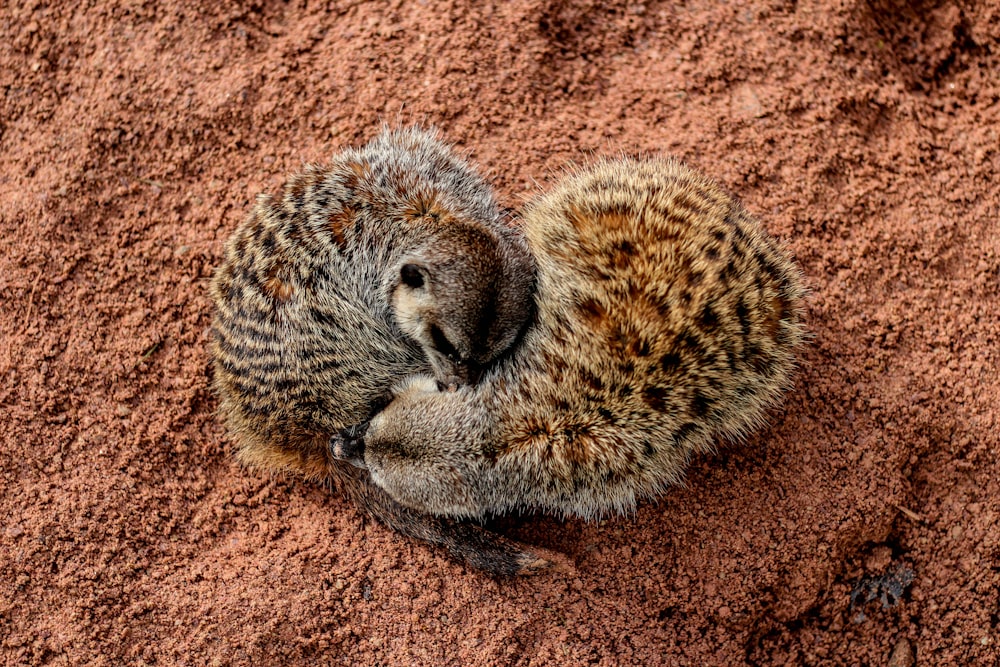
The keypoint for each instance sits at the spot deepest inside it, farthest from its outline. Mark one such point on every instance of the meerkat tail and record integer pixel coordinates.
(466, 543)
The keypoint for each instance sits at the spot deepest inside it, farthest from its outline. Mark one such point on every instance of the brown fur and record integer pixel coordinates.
(665, 318)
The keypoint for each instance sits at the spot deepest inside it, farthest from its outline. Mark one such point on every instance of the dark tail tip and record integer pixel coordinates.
(531, 564)
(467, 543)
(496, 555)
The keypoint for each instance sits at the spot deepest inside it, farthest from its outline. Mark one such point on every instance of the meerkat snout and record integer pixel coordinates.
(418, 301)
(464, 297)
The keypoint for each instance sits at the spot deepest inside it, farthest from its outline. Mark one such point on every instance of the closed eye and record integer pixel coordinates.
(412, 276)
(442, 344)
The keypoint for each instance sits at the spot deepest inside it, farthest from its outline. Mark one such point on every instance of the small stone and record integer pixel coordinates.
(746, 104)
(902, 655)
(879, 559)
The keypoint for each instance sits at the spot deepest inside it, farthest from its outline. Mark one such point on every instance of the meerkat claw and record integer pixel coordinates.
(349, 445)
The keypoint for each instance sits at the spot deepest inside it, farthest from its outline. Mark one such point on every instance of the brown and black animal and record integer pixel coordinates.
(665, 318)
(391, 260)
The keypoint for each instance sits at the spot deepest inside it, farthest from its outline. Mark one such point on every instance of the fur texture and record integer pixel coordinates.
(665, 318)
(308, 336)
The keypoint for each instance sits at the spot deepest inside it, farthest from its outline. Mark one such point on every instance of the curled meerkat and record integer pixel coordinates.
(391, 260)
(665, 317)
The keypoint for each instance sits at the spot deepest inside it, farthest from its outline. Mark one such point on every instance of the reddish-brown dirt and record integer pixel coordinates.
(133, 137)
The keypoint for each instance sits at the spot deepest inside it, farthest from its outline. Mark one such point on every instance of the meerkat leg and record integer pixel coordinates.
(466, 543)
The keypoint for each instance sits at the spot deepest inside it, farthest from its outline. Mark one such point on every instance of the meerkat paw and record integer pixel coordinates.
(349, 445)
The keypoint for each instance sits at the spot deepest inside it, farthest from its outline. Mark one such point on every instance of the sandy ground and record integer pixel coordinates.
(133, 137)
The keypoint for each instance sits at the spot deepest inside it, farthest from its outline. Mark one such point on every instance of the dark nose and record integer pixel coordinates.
(349, 445)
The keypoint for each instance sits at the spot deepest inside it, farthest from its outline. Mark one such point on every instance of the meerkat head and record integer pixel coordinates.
(464, 296)
(422, 449)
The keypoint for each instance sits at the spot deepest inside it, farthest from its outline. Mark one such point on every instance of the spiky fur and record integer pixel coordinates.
(305, 338)
(665, 318)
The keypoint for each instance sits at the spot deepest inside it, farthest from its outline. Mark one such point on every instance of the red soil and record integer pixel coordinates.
(134, 136)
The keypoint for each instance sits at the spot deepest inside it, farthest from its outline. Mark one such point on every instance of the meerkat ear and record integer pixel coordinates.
(413, 275)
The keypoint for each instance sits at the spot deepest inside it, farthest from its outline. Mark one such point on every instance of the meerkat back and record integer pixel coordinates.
(670, 289)
(667, 318)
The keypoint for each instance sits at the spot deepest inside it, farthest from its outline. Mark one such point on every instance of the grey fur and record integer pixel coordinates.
(307, 340)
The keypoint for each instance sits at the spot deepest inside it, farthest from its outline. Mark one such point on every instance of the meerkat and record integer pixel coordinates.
(665, 318)
(394, 259)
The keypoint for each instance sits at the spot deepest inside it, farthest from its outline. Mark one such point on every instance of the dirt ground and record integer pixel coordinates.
(860, 528)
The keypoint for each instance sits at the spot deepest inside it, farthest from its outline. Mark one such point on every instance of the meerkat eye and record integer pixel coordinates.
(412, 276)
(442, 344)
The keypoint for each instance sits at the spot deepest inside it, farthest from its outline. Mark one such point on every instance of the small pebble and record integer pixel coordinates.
(902, 655)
